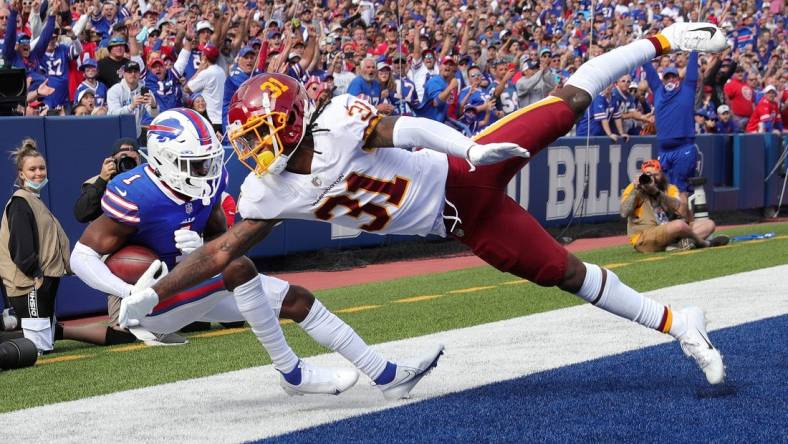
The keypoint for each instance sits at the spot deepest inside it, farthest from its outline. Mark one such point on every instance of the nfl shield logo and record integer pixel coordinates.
(188, 208)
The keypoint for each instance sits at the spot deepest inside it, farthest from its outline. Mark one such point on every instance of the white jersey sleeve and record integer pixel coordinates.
(388, 190)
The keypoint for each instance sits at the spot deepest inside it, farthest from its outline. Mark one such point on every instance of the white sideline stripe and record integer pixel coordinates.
(248, 404)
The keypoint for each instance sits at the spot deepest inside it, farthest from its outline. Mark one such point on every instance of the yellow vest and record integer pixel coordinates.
(53, 247)
(643, 216)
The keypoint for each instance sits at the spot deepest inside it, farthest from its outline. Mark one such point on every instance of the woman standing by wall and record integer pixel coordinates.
(34, 249)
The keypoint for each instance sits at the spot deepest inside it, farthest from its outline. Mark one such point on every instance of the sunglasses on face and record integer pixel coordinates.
(475, 75)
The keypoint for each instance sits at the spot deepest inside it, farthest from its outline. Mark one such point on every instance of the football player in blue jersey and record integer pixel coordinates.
(168, 205)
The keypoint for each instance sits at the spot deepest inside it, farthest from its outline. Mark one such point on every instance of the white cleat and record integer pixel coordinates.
(696, 344)
(701, 36)
(409, 374)
(315, 380)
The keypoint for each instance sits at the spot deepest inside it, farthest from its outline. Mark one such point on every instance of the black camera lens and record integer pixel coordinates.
(124, 164)
(645, 179)
(17, 353)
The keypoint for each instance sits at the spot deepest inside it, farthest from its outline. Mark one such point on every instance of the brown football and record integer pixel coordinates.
(130, 262)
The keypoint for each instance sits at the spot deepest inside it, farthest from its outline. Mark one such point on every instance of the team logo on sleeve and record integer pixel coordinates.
(167, 129)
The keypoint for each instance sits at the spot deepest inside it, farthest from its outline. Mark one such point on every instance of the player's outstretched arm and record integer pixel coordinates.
(213, 257)
(411, 132)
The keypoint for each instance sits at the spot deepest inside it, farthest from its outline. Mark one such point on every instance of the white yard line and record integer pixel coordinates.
(248, 404)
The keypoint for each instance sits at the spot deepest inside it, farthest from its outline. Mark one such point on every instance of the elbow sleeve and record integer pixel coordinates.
(88, 266)
(411, 132)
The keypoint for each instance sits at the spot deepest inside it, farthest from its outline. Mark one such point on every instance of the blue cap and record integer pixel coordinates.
(254, 41)
(23, 39)
(670, 70)
(88, 62)
(116, 41)
(246, 50)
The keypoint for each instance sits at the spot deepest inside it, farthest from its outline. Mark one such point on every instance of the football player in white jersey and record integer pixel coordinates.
(333, 164)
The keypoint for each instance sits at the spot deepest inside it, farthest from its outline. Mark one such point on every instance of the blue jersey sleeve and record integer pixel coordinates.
(121, 200)
(432, 89)
(652, 77)
(355, 87)
(599, 108)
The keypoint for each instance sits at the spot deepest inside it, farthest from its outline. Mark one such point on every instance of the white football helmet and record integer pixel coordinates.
(185, 153)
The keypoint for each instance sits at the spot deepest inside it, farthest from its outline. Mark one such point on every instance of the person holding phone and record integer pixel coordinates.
(129, 96)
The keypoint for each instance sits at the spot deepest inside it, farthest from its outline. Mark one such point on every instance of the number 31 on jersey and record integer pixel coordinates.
(394, 191)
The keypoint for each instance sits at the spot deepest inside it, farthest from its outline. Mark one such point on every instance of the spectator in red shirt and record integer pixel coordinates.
(740, 96)
(766, 116)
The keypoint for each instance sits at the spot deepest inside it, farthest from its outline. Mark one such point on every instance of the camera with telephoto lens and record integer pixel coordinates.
(17, 353)
(125, 163)
(697, 201)
(645, 179)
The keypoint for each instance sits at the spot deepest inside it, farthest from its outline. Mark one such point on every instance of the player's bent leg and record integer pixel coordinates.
(603, 289)
(533, 128)
(297, 377)
(395, 380)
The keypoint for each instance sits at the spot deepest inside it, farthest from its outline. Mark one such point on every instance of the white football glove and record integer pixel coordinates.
(494, 153)
(142, 299)
(187, 241)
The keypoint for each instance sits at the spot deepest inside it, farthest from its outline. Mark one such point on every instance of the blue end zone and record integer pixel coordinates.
(651, 395)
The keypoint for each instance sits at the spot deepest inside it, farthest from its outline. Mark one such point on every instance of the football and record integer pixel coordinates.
(130, 262)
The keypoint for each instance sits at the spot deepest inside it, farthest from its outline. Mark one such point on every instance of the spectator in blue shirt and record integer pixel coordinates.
(674, 105)
(163, 83)
(367, 87)
(474, 97)
(239, 73)
(89, 68)
(597, 118)
(405, 100)
(725, 125)
(439, 91)
(17, 52)
(55, 62)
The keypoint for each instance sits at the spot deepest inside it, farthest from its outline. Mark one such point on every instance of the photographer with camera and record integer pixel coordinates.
(651, 205)
(125, 156)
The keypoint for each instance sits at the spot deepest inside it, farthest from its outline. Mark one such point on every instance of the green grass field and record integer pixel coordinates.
(379, 312)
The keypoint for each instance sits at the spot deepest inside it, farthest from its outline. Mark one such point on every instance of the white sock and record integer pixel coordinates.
(600, 72)
(605, 290)
(327, 329)
(258, 313)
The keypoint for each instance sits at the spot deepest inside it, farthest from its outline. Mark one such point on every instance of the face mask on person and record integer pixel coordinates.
(671, 86)
(35, 186)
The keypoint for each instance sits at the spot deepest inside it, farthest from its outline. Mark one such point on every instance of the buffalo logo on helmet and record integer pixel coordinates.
(167, 129)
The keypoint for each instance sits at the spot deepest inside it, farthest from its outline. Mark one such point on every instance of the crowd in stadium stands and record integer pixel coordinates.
(466, 63)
